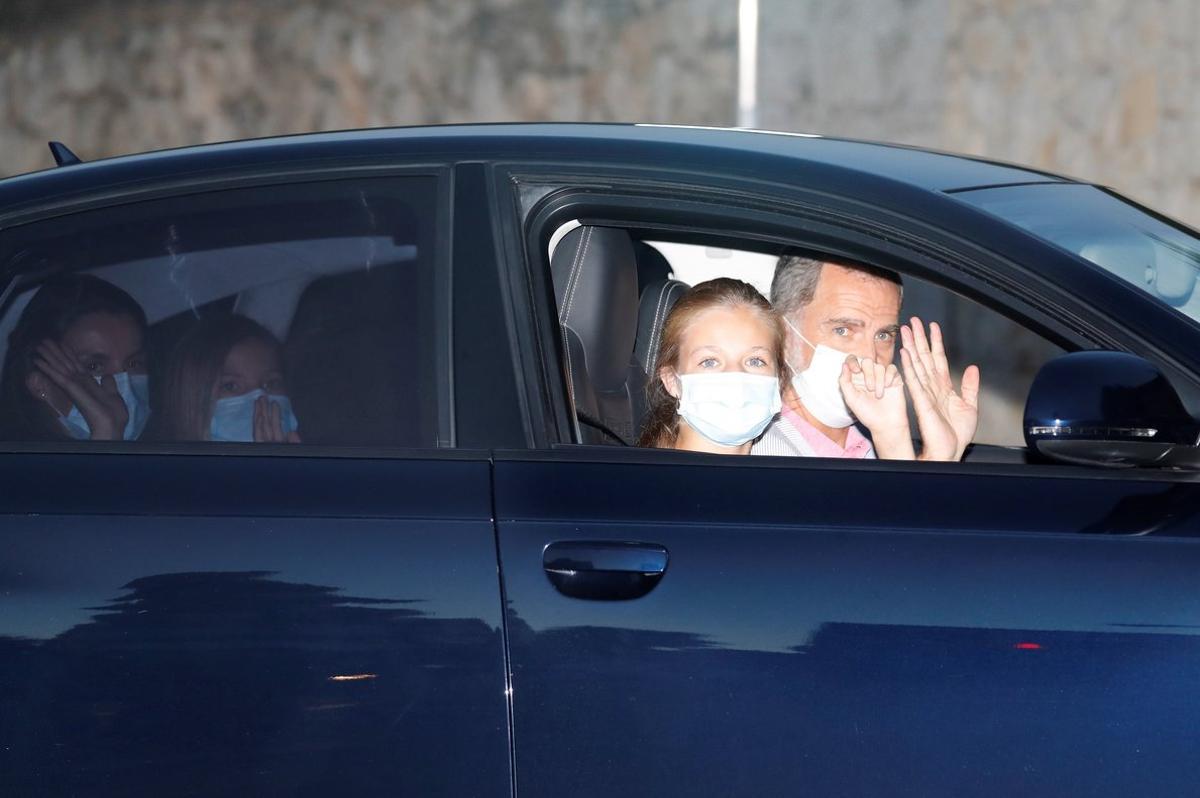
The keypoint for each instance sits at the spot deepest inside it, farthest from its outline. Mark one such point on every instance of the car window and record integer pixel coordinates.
(1008, 354)
(609, 390)
(1161, 259)
(333, 279)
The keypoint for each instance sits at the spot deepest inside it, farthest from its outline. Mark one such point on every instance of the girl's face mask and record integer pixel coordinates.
(730, 408)
(233, 417)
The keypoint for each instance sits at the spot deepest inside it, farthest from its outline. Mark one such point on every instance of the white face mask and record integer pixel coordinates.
(817, 386)
(135, 392)
(731, 407)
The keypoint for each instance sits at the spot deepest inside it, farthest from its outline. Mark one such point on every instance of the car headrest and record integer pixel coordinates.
(657, 300)
(595, 285)
(653, 266)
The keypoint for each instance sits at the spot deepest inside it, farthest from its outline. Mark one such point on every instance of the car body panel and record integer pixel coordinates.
(852, 631)
(237, 625)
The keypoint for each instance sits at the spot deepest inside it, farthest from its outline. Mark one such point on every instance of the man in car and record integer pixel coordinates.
(842, 320)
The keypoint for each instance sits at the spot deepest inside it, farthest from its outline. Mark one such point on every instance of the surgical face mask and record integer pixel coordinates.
(135, 393)
(817, 386)
(233, 417)
(729, 408)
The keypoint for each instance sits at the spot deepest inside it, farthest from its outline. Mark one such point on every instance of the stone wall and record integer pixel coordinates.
(1105, 90)
(130, 75)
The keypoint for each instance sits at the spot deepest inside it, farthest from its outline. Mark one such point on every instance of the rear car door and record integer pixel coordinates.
(323, 618)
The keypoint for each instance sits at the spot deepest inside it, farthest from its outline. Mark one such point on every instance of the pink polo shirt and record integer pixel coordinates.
(791, 435)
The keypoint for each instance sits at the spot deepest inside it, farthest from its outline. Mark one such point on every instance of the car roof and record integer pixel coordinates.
(677, 145)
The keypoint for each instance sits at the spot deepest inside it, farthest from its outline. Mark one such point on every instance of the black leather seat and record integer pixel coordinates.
(610, 336)
(595, 284)
(658, 297)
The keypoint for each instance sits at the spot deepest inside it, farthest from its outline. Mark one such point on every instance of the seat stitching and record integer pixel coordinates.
(571, 273)
(656, 339)
(570, 369)
(655, 331)
(581, 261)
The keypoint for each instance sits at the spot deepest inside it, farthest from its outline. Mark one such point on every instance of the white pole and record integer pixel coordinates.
(747, 89)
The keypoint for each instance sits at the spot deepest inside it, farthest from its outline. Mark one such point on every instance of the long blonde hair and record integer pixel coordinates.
(661, 426)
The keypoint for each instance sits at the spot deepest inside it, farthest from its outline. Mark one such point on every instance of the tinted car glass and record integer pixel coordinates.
(341, 273)
(1160, 258)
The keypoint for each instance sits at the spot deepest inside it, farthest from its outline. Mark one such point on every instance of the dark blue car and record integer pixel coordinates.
(460, 583)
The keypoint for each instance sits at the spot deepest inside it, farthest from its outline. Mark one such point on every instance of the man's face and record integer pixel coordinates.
(853, 312)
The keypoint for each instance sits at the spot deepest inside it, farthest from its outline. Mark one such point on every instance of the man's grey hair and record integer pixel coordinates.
(796, 276)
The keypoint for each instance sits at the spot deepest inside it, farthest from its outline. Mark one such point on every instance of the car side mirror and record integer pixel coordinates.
(1109, 409)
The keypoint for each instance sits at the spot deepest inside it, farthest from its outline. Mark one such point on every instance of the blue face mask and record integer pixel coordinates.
(233, 417)
(135, 392)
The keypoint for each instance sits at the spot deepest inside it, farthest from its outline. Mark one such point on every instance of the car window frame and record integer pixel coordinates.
(541, 197)
(190, 184)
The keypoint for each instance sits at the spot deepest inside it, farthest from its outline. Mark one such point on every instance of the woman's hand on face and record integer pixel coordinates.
(99, 403)
(268, 423)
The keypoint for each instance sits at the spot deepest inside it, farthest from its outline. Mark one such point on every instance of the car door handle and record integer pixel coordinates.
(604, 570)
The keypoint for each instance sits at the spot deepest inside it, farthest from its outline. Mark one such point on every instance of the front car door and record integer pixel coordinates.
(832, 628)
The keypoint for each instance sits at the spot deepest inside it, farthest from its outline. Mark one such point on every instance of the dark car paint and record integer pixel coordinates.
(173, 623)
(854, 631)
(249, 626)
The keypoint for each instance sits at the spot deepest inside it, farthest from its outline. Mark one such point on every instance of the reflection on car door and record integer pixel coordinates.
(832, 628)
(249, 626)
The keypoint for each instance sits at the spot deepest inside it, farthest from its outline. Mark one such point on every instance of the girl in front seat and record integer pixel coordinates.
(718, 371)
(224, 382)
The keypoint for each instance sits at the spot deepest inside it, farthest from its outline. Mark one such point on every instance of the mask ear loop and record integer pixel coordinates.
(796, 330)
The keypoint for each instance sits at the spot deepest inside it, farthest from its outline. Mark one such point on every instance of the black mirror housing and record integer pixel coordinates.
(1106, 408)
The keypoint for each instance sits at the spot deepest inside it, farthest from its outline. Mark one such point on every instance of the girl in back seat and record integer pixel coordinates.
(224, 382)
(715, 385)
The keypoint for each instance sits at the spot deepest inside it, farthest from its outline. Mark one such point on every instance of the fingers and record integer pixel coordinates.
(268, 422)
(276, 423)
(57, 355)
(970, 386)
(921, 398)
(260, 424)
(846, 380)
(892, 376)
(54, 373)
(925, 355)
(936, 344)
(870, 381)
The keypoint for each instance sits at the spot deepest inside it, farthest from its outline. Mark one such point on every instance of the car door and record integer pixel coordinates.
(853, 629)
(222, 619)
(688, 624)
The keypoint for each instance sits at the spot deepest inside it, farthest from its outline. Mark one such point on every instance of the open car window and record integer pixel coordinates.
(1008, 354)
(609, 389)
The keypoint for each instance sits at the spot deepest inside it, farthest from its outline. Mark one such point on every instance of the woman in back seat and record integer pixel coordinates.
(718, 371)
(224, 382)
(75, 366)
